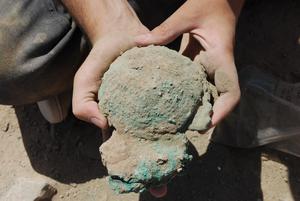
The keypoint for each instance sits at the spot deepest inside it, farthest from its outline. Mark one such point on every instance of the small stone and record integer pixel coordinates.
(6, 127)
(162, 160)
(29, 190)
(179, 170)
(142, 140)
(73, 185)
(61, 196)
(264, 158)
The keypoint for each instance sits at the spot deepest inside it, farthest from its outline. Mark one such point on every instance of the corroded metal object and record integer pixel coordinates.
(151, 96)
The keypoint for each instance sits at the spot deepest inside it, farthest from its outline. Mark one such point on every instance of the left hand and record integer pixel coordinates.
(211, 26)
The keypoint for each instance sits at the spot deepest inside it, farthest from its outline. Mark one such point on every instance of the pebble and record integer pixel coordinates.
(179, 170)
(30, 189)
(264, 158)
(74, 185)
(162, 160)
(5, 128)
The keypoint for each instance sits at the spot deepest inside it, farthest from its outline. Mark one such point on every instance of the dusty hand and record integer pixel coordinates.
(116, 35)
(211, 26)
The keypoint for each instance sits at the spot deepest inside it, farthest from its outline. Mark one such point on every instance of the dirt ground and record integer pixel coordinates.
(67, 153)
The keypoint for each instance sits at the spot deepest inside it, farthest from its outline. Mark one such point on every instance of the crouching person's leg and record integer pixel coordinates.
(40, 51)
(268, 114)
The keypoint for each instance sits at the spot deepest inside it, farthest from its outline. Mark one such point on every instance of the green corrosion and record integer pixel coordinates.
(150, 173)
(160, 102)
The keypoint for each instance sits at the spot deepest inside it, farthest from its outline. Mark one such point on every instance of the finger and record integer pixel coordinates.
(89, 112)
(226, 82)
(84, 102)
(223, 106)
(87, 83)
(88, 79)
(159, 192)
(169, 30)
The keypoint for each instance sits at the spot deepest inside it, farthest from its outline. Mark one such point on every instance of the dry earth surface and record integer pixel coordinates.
(67, 156)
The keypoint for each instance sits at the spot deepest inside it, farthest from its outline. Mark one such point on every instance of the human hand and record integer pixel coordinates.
(119, 26)
(112, 27)
(211, 26)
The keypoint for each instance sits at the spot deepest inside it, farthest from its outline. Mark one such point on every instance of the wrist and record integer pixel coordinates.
(95, 17)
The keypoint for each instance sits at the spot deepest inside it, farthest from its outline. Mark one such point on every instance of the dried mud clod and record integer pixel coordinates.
(151, 96)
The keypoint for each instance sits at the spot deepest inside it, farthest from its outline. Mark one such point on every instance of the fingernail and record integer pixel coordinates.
(96, 122)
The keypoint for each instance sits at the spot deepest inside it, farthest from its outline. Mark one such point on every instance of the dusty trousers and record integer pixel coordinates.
(41, 47)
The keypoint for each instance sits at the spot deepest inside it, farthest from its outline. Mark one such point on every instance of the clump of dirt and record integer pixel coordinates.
(151, 96)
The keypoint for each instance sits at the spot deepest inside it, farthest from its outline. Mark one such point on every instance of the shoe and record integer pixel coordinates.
(56, 108)
(268, 112)
(290, 146)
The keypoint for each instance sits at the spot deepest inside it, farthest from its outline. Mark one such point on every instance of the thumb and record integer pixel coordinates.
(227, 84)
(169, 30)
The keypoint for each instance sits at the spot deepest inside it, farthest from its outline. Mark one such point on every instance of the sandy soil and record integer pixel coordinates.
(67, 153)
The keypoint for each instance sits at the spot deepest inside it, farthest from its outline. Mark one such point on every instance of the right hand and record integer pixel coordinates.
(211, 26)
(119, 28)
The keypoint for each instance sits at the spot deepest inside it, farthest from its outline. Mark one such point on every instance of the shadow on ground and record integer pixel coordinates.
(67, 152)
(292, 163)
(221, 174)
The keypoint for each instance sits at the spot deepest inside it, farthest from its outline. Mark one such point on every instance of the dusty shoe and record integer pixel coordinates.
(268, 112)
(151, 96)
(290, 146)
(55, 109)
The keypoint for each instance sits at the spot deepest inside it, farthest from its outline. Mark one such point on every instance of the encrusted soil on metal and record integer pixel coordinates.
(151, 96)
